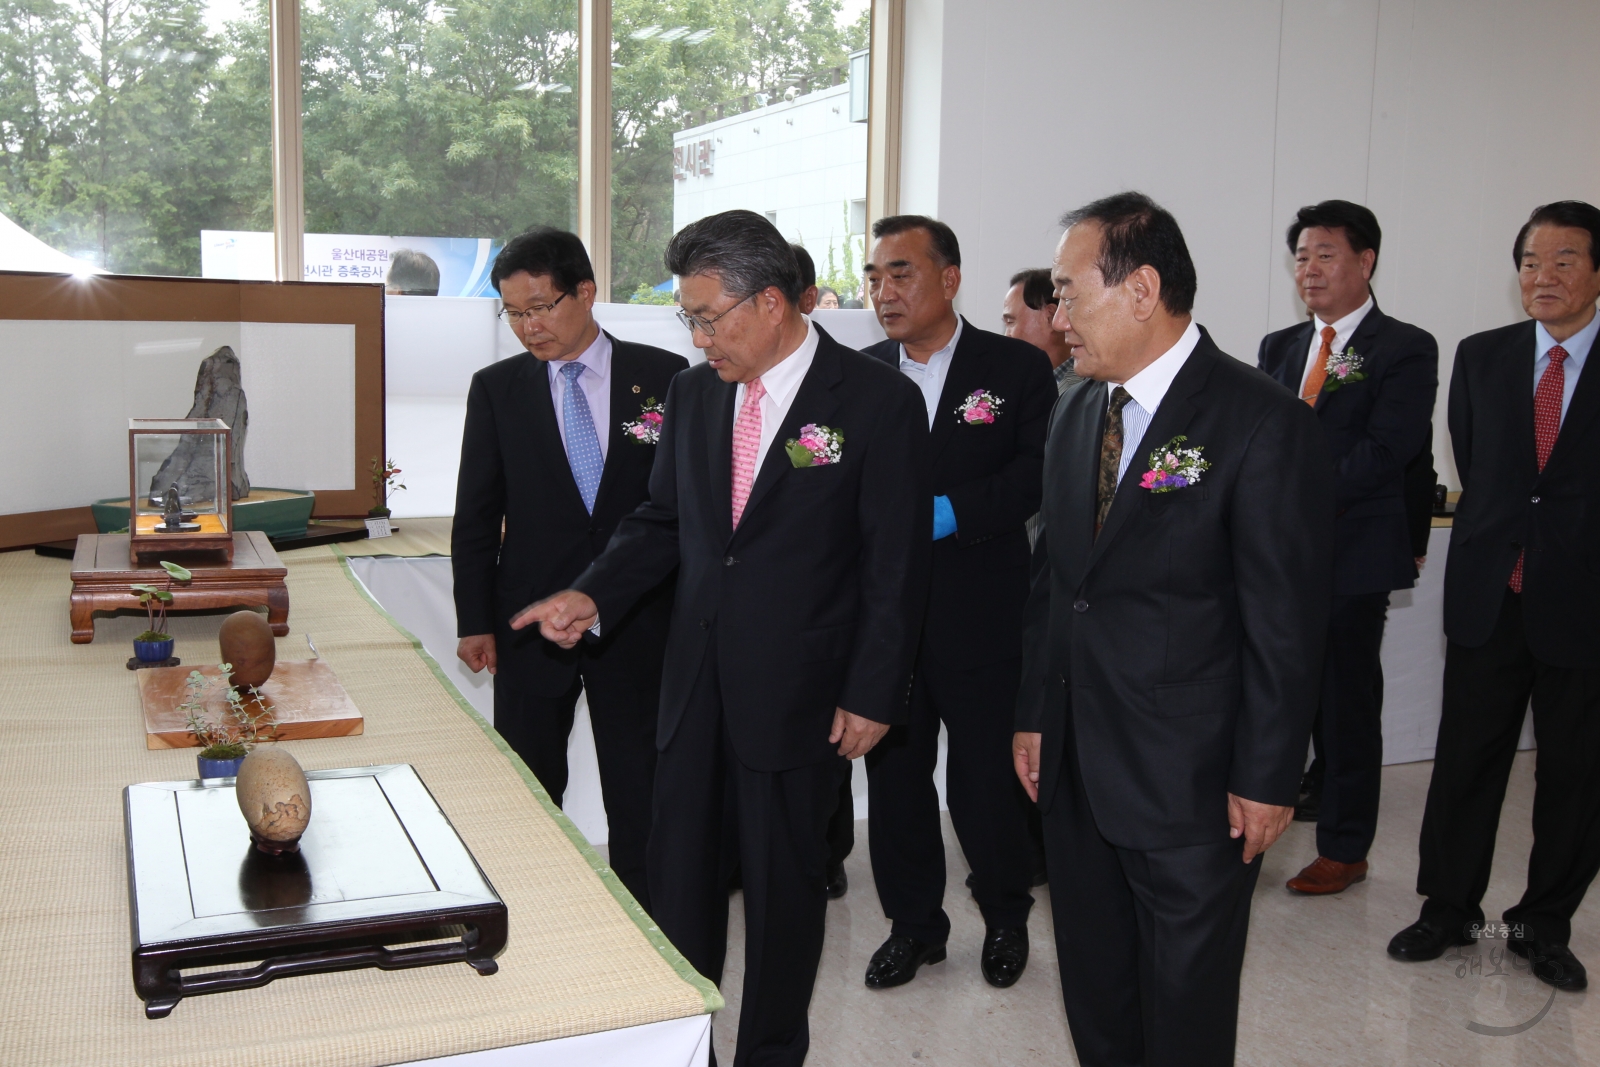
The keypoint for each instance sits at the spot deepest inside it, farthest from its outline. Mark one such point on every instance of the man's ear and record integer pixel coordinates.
(1369, 263)
(951, 277)
(1144, 286)
(586, 291)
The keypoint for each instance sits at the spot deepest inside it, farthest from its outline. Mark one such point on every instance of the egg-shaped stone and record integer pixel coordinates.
(274, 798)
(247, 643)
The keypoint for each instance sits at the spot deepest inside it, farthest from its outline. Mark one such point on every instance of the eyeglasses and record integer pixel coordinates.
(705, 326)
(514, 318)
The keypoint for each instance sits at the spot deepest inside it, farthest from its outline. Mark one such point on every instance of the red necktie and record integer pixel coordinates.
(746, 447)
(1546, 425)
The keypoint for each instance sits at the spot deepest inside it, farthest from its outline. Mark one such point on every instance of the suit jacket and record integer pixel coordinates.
(1374, 428)
(514, 469)
(992, 474)
(1177, 657)
(1507, 504)
(816, 599)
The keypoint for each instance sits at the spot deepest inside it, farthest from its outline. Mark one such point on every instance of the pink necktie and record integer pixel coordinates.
(746, 447)
(1546, 426)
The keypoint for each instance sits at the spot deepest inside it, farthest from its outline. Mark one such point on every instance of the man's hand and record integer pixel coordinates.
(477, 652)
(563, 618)
(854, 735)
(1259, 824)
(1420, 560)
(1025, 758)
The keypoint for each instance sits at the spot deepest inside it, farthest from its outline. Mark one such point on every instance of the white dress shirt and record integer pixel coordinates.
(1577, 346)
(782, 382)
(1148, 388)
(596, 385)
(930, 376)
(1343, 330)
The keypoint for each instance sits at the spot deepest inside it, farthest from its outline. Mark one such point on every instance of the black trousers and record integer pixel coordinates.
(842, 826)
(782, 820)
(623, 715)
(1349, 727)
(986, 807)
(1486, 694)
(1156, 981)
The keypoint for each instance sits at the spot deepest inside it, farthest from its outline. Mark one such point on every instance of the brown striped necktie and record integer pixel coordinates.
(1110, 456)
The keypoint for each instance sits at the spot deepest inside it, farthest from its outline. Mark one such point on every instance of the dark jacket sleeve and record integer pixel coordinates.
(1397, 425)
(644, 549)
(1461, 417)
(1421, 479)
(1000, 502)
(1283, 573)
(896, 552)
(480, 513)
(1035, 639)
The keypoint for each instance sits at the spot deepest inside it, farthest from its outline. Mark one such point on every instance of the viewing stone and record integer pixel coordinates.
(218, 394)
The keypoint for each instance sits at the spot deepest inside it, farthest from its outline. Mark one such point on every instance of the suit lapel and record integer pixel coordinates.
(717, 411)
(536, 400)
(962, 377)
(1170, 420)
(624, 403)
(1516, 379)
(1294, 367)
(1583, 410)
(813, 402)
(1078, 453)
(1361, 340)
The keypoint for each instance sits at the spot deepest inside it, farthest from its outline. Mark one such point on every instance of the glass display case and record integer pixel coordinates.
(179, 495)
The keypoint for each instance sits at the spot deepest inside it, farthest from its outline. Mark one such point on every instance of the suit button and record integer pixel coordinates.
(1080, 606)
(730, 561)
(705, 624)
(1533, 500)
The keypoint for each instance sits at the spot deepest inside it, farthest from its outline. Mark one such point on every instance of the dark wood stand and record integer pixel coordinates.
(379, 866)
(102, 575)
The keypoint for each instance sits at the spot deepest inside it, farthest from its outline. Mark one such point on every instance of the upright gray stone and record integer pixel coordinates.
(218, 394)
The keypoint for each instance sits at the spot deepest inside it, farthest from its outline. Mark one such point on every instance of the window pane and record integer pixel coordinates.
(737, 104)
(127, 127)
(455, 122)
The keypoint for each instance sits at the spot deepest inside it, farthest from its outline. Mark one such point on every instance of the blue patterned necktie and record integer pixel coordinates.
(583, 445)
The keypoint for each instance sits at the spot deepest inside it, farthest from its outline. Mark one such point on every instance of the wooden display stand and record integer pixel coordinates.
(102, 576)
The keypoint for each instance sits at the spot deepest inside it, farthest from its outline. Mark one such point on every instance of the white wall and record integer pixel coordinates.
(1451, 119)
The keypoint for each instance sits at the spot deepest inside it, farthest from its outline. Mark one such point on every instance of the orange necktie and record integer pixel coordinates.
(1319, 369)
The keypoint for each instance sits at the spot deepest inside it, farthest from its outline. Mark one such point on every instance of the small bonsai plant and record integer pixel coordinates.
(245, 722)
(385, 480)
(154, 600)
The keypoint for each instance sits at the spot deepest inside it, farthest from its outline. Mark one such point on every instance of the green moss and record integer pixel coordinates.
(229, 751)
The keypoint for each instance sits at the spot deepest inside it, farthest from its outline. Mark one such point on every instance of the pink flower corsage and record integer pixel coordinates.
(1343, 369)
(1172, 467)
(817, 446)
(646, 429)
(979, 408)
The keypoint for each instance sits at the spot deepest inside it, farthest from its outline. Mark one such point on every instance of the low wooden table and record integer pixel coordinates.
(102, 574)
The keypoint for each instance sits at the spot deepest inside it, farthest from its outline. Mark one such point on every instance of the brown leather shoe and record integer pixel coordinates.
(1328, 876)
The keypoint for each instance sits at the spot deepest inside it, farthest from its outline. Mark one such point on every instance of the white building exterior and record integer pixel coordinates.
(802, 162)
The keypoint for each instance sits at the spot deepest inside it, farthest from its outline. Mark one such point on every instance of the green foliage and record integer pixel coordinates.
(152, 635)
(649, 294)
(231, 750)
(155, 599)
(179, 574)
(126, 126)
(245, 722)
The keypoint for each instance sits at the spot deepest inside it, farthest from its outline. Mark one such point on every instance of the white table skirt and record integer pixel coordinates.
(674, 1043)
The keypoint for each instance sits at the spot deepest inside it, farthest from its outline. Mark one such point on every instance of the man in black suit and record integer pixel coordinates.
(1376, 417)
(987, 401)
(1520, 590)
(1173, 644)
(557, 447)
(791, 494)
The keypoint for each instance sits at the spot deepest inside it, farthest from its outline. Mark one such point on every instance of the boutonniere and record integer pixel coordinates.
(1343, 368)
(646, 429)
(1172, 467)
(817, 446)
(979, 408)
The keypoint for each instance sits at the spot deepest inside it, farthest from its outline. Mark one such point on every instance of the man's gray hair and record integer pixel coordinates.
(744, 251)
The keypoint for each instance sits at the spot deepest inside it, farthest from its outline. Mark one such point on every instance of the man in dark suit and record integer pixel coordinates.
(1521, 586)
(1376, 416)
(987, 400)
(1028, 313)
(1173, 644)
(790, 492)
(557, 448)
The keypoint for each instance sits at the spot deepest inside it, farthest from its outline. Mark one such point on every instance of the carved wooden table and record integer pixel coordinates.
(102, 574)
(379, 869)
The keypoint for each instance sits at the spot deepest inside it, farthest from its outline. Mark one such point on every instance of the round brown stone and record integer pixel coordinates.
(247, 643)
(274, 798)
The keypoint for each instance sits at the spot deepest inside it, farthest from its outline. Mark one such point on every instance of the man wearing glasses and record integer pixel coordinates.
(557, 448)
(791, 495)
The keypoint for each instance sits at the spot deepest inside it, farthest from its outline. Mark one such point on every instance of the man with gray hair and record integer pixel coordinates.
(790, 492)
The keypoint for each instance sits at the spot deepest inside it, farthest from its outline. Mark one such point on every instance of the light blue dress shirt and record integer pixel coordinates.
(1148, 388)
(1577, 347)
(930, 376)
(596, 385)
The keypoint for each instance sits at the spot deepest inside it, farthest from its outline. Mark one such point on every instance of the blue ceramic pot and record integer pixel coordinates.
(219, 768)
(153, 651)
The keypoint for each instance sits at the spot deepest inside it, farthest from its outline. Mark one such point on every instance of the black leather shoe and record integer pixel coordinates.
(838, 881)
(1005, 954)
(897, 959)
(1424, 940)
(1553, 964)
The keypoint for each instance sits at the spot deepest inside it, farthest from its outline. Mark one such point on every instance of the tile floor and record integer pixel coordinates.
(1318, 987)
